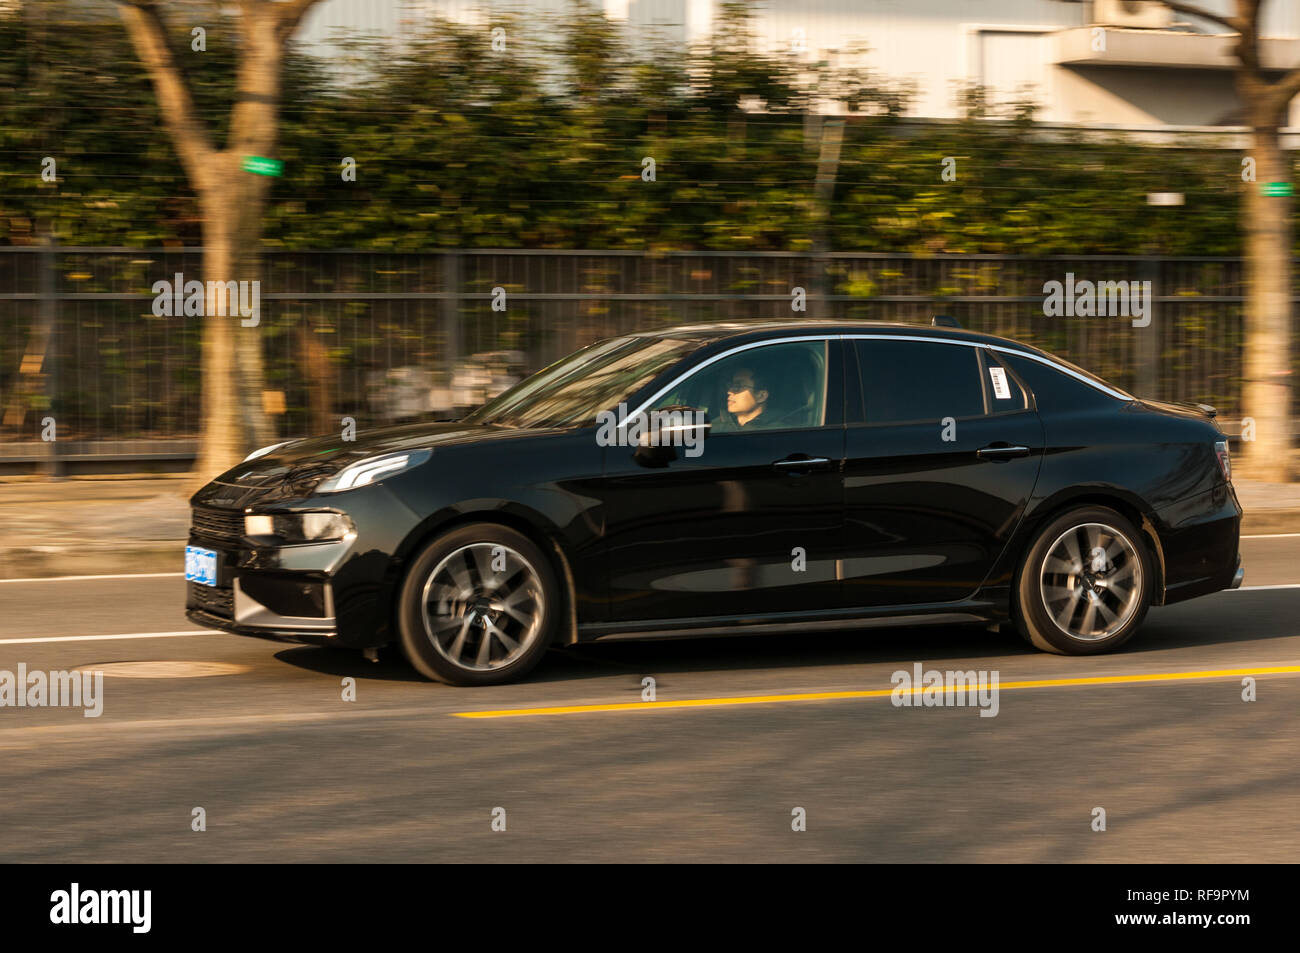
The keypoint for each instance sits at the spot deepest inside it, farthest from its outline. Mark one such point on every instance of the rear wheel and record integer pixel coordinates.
(478, 607)
(1085, 584)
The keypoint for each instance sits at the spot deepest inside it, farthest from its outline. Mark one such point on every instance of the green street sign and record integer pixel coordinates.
(1276, 188)
(260, 165)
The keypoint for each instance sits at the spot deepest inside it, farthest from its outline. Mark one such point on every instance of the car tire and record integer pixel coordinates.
(478, 583)
(1085, 584)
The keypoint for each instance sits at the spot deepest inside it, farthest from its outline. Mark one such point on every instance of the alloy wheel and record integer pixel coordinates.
(483, 606)
(1091, 581)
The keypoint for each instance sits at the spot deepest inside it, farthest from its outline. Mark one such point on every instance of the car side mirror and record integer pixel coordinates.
(668, 430)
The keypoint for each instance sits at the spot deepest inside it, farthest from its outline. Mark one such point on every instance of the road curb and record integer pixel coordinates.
(1282, 521)
(42, 562)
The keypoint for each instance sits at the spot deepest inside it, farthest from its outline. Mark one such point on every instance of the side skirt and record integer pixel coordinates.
(947, 613)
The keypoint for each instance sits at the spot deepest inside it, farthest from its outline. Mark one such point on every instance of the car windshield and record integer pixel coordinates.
(573, 390)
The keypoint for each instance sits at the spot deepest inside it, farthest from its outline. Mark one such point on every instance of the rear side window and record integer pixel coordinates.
(916, 381)
(1002, 390)
(1053, 389)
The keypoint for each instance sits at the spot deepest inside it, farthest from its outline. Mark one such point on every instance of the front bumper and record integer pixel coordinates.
(308, 637)
(257, 594)
(335, 592)
(280, 603)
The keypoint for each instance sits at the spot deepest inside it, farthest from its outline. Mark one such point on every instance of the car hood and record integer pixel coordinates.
(299, 465)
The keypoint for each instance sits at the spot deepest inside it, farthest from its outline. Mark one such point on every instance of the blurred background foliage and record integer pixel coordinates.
(542, 146)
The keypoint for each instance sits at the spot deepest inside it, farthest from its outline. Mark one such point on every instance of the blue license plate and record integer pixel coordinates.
(201, 566)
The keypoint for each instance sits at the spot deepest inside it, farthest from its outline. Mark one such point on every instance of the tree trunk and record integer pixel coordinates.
(249, 368)
(1266, 393)
(222, 443)
(233, 201)
(254, 131)
(234, 421)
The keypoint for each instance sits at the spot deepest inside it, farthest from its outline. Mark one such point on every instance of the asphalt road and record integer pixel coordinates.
(286, 770)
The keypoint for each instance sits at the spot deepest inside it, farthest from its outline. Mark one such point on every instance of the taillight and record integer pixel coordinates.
(1225, 461)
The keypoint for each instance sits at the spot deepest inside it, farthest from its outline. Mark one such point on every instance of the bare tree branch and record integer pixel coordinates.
(1285, 89)
(148, 32)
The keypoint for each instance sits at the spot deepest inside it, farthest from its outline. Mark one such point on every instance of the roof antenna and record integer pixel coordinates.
(944, 321)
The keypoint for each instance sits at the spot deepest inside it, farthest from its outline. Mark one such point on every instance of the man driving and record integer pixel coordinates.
(747, 397)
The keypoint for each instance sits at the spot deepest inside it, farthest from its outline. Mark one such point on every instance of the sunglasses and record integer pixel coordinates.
(737, 387)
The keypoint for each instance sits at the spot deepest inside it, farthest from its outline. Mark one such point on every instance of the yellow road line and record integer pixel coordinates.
(874, 693)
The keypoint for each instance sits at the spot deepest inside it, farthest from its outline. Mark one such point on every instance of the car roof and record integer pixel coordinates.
(711, 335)
(725, 330)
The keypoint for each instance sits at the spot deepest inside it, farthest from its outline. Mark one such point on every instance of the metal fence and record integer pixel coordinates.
(377, 335)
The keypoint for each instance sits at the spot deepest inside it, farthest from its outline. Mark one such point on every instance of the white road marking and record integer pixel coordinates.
(1287, 585)
(104, 638)
(1272, 536)
(34, 735)
(124, 575)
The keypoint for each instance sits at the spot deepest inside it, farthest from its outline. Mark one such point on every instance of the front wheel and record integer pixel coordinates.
(1085, 585)
(478, 607)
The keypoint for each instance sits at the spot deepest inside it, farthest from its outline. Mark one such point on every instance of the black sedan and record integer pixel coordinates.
(784, 477)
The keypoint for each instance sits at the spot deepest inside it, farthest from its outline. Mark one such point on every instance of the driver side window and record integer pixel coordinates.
(771, 387)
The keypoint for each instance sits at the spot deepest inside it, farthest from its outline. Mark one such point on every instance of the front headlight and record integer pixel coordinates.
(375, 468)
(299, 527)
(265, 450)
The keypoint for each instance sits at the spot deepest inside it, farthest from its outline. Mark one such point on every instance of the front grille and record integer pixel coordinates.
(218, 602)
(224, 525)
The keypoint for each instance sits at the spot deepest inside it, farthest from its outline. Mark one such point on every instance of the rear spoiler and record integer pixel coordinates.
(1185, 406)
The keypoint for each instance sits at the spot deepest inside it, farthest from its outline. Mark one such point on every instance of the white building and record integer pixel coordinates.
(1112, 63)
(1124, 64)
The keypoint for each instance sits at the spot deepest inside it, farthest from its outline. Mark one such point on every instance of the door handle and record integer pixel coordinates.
(802, 463)
(1001, 452)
